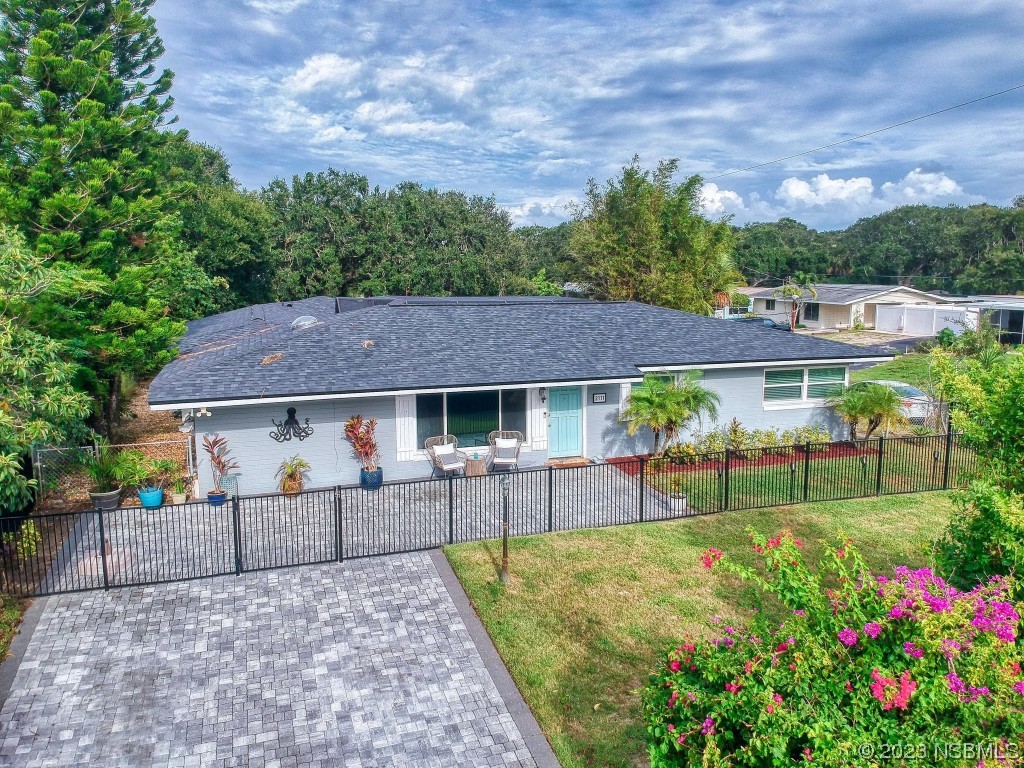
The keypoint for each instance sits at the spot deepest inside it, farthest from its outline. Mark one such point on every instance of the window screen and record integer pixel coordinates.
(513, 410)
(429, 417)
(784, 385)
(825, 382)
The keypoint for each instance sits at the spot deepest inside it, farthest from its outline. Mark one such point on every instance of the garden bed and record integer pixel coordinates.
(587, 615)
(631, 464)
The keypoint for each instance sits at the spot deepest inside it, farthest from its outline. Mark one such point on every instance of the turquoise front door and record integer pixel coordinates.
(565, 422)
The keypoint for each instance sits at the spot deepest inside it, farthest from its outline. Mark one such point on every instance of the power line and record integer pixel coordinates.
(864, 135)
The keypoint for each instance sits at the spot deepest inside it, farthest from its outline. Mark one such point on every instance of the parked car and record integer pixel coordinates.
(917, 405)
(761, 322)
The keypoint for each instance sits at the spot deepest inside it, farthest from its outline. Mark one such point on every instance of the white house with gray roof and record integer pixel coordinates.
(557, 369)
(838, 306)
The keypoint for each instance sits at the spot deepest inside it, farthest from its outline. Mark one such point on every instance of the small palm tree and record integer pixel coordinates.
(876, 405)
(797, 290)
(666, 407)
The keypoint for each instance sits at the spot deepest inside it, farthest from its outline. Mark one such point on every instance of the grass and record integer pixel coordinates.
(587, 614)
(11, 611)
(914, 369)
(906, 465)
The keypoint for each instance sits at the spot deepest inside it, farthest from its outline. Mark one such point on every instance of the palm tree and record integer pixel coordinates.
(666, 407)
(797, 290)
(874, 404)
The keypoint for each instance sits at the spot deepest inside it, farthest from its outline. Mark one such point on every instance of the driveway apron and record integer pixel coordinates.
(367, 663)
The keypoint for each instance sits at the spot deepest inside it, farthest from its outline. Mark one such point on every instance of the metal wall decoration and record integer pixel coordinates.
(290, 428)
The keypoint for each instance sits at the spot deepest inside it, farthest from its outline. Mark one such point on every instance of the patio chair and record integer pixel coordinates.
(445, 456)
(505, 445)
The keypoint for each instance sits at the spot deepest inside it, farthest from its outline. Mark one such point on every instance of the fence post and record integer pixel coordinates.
(807, 470)
(338, 538)
(878, 473)
(728, 460)
(643, 483)
(949, 452)
(236, 535)
(551, 499)
(451, 509)
(103, 551)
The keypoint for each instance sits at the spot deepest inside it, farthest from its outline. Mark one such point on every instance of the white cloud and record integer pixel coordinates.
(322, 69)
(382, 111)
(717, 202)
(276, 6)
(823, 190)
(541, 210)
(921, 187)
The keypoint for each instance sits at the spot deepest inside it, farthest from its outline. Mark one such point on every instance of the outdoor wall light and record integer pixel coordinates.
(203, 412)
(543, 394)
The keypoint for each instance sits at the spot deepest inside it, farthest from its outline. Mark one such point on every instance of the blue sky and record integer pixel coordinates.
(527, 100)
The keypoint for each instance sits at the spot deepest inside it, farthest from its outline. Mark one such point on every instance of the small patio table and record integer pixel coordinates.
(475, 467)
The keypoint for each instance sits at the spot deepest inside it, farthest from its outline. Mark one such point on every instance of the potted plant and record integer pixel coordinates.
(293, 475)
(155, 476)
(677, 495)
(109, 470)
(178, 493)
(364, 445)
(221, 462)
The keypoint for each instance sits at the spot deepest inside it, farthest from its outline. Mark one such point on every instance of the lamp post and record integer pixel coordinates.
(506, 483)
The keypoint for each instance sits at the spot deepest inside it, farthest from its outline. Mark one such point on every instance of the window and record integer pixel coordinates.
(812, 310)
(802, 384)
(769, 305)
(470, 416)
(784, 385)
(825, 382)
(429, 417)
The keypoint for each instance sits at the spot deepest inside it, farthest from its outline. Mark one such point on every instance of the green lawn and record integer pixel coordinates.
(11, 611)
(588, 613)
(915, 464)
(913, 369)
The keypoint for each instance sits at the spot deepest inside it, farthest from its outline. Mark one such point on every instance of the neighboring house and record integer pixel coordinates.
(839, 306)
(559, 370)
(1005, 313)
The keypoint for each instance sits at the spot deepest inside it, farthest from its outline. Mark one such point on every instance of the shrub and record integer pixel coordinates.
(818, 437)
(740, 438)
(682, 453)
(903, 660)
(712, 442)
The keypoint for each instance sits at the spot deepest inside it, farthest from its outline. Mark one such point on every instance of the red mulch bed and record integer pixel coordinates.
(631, 464)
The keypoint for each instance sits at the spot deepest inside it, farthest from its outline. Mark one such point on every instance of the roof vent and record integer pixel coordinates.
(304, 322)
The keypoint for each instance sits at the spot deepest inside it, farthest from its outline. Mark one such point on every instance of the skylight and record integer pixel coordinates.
(304, 322)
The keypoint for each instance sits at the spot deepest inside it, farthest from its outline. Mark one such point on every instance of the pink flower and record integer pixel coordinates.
(708, 727)
(674, 665)
(872, 629)
(912, 650)
(711, 557)
(848, 637)
(776, 698)
(1019, 687)
(681, 739)
(956, 685)
(733, 687)
(671, 727)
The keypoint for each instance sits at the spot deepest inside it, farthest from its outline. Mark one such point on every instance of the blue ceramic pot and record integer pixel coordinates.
(371, 479)
(217, 499)
(151, 497)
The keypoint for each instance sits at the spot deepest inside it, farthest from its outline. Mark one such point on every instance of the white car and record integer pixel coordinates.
(917, 405)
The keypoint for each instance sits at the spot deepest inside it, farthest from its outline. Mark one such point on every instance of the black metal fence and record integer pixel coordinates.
(69, 552)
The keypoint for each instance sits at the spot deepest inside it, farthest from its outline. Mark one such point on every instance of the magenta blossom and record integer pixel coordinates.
(848, 637)
(872, 629)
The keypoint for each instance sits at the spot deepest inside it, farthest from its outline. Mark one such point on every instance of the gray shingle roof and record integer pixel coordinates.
(833, 293)
(401, 344)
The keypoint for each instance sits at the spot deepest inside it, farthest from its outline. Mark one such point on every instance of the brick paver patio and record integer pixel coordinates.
(366, 663)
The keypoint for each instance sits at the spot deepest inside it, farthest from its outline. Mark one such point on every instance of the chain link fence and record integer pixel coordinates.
(62, 480)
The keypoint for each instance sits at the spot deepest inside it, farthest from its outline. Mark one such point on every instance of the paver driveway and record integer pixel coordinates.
(368, 663)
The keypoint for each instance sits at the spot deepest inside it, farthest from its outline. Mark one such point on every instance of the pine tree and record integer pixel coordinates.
(81, 112)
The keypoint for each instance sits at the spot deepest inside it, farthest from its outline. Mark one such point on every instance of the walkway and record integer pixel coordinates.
(366, 663)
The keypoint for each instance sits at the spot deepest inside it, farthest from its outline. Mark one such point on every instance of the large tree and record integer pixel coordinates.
(81, 107)
(642, 238)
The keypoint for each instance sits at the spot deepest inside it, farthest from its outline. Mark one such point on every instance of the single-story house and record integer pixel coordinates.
(838, 306)
(559, 370)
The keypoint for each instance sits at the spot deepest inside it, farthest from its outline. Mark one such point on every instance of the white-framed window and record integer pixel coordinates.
(797, 385)
(812, 311)
(769, 305)
(470, 416)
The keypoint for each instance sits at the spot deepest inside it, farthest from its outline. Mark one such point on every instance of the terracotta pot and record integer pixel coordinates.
(291, 486)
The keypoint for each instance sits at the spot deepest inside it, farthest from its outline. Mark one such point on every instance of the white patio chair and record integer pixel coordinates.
(445, 455)
(505, 445)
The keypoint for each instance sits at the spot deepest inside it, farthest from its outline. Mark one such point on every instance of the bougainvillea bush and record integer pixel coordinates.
(864, 670)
